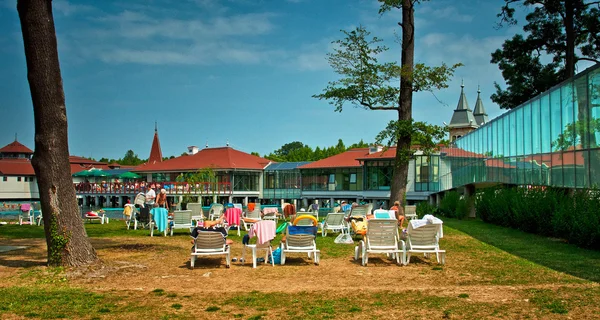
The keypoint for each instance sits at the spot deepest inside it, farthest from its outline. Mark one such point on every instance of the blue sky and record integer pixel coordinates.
(241, 71)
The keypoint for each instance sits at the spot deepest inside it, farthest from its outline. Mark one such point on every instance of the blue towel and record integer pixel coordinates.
(160, 218)
(302, 230)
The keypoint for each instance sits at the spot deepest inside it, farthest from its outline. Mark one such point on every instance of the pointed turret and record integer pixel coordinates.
(463, 116)
(463, 120)
(481, 117)
(155, 152)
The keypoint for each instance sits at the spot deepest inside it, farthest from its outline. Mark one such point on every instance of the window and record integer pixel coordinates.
(353, 178)
(332, 178)
(19, 179)
(4, 178)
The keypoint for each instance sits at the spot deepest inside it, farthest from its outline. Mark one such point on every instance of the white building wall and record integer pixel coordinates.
(14, 189)
(445, 175)
(410, 186)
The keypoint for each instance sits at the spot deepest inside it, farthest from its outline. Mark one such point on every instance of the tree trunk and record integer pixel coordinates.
(400, 177)
(66, 238)
(570, 35)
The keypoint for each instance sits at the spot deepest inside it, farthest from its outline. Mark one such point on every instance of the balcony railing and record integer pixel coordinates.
(172, 188)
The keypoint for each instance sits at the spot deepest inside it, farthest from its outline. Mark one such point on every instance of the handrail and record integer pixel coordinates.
(172, 188)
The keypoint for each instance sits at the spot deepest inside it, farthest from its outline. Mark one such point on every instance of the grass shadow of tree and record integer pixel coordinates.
(552, 253)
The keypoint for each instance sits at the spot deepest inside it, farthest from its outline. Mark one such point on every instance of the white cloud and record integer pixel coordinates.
(448, 13)
(66, 8)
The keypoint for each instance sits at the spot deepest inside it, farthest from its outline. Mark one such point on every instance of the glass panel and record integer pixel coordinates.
(536, 127)
(580, 112)
(512, 133)
(519, 132)
(581, 179)
(556, 173)
(506, 136)
(567, 140)
(527, 128)
(545, 123)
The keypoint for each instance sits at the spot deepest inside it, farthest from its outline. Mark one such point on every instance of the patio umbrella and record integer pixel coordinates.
(84, 173)
(93, 172)
(128, 175)
(98, 173)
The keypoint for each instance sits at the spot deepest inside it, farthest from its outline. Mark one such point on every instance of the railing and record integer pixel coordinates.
(172, 188)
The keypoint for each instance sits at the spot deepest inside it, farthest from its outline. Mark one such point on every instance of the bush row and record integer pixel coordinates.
(573, 216)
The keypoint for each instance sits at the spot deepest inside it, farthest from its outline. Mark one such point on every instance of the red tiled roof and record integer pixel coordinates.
(79, 164)
(217, 158)
(565, 158)
(24, 167)
(460, 153)
(155, 152)
(390, 153)
(342, 160)
(15, 147)
(16, 167)
(499, 163)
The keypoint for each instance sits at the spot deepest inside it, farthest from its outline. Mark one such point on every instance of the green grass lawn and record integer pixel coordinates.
(544, 278)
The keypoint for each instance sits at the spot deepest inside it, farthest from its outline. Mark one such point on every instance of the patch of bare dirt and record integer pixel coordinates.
(145, 264)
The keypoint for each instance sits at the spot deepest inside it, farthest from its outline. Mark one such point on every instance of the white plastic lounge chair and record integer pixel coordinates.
(382, 237)
(410, 212)
(197, 213)
(307, 222)
(384, 214)
(300, 239)
(423, 237)
(27, 214)
(95, 216)
(209, 243)
(263, 241)
(216, 211)
(334, 222)
(40, 218)
(181, 220)
(271, 214)
(253, 215)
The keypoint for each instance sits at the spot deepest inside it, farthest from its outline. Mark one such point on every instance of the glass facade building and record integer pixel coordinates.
(551, 140)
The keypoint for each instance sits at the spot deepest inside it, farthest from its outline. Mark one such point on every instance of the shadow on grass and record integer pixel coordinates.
(549, 252)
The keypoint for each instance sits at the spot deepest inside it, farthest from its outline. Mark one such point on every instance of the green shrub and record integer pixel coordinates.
(424, 208)
(462, 208)
(449, 203)
(549, 212)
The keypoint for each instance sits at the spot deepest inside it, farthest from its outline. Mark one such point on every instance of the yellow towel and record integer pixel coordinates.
(127, 211)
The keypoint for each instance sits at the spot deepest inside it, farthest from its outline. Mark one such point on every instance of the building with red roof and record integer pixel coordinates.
(238, 174)
(17, 177)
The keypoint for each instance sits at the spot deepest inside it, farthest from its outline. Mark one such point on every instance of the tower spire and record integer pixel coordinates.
(15, 136)
(155, 151)
(479, 113)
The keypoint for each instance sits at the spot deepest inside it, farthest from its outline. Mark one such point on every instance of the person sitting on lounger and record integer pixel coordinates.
(212, 225)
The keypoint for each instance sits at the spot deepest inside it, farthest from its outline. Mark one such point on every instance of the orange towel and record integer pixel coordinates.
(251, 206)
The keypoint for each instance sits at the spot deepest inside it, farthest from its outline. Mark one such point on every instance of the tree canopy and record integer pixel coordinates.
(558, 34)
(365, 82)
(297, 151)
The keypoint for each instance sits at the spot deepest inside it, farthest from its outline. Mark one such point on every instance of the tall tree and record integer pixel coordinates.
(559, 29)
(368, 84)
(66, 238)
(131, 159)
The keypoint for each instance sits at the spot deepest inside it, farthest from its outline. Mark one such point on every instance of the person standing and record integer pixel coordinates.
(150, 197)
(161, 199)
(400, 217)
